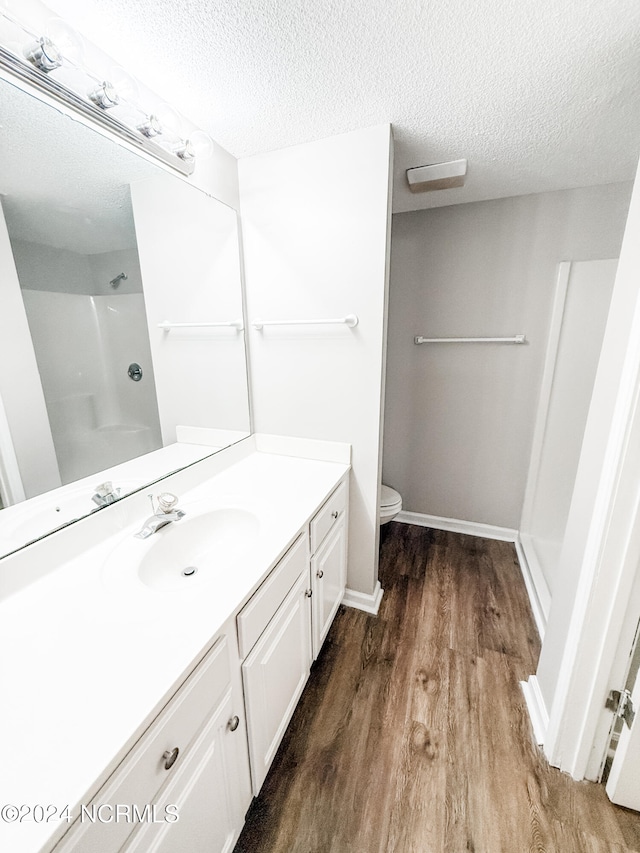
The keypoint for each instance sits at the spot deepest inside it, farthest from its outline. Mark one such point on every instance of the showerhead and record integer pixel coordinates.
(115, 282)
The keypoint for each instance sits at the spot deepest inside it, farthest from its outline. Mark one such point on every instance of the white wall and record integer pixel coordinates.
(315, 220)
(190, 262)
(20, 388)
(459, 417)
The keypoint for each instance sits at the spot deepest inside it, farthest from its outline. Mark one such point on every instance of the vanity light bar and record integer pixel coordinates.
(24, 72)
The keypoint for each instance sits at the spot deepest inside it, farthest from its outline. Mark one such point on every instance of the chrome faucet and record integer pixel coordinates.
(165, 513)
(105, 494)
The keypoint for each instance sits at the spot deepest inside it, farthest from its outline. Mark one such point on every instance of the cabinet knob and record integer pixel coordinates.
(309, 593)
(320, 574)
(233, 723)
(170, 756)
(335, 513)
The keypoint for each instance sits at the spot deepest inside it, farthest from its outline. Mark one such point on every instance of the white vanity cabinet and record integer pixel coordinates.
(208, 793)
(193, 758)
(328, 536)
(210, 746)
(277, 667)
(282, 628)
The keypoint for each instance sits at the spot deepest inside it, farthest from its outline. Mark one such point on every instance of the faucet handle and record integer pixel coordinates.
(166, 502)
(105, 489)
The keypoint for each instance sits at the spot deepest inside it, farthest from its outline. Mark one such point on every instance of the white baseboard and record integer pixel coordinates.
(537, 589)
(472, 528)
(370, 603)
(536, 708)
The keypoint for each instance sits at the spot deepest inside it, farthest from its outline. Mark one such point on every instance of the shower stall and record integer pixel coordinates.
(583, 294)
(87, 320)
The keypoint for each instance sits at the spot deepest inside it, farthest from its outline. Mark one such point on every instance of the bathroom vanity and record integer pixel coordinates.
(146, 701)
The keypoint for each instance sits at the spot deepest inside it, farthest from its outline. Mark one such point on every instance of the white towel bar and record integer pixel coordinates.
(233, 324)
(516, 339)
(350, 320)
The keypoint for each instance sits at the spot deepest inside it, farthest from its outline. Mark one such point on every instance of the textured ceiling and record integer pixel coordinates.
(537, 94)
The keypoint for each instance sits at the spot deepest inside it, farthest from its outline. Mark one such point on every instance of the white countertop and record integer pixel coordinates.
(84, 664)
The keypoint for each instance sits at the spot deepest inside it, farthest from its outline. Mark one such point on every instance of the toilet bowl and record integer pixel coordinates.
(390, 504)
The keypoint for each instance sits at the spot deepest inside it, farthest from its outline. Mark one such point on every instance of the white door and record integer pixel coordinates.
(328, 570)
(623, 784)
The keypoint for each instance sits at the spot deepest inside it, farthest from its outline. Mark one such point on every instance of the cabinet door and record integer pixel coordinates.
(143, 775)
(274, 676)
(328, 574)
(207, 795)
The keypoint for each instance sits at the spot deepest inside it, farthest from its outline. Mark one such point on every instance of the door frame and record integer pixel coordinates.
(602, 544)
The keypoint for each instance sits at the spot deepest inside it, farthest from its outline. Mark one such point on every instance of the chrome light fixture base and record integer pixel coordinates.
(21, 73)
(151, 127)
(105, 96)
(44, 55)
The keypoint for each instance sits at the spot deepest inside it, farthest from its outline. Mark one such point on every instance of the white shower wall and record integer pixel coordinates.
(84, 345)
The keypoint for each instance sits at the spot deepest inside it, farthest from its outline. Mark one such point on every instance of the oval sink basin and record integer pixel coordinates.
(185, 554)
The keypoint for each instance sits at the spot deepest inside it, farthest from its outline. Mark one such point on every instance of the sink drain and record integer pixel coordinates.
(189, 571)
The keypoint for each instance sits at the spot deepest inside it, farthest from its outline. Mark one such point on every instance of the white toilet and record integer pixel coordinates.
(390, 504)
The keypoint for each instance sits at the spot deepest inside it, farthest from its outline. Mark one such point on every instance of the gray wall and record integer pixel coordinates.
(459, 417)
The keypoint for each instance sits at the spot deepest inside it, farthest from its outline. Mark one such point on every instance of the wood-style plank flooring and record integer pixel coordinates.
(412, 734)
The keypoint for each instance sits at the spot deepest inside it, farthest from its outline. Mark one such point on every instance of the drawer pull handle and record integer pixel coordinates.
(309, 593)
(320, 573)
(170, 756)
(234, 722)
(335, 514)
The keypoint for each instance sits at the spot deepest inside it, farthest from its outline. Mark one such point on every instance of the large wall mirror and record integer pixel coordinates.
(121, 320)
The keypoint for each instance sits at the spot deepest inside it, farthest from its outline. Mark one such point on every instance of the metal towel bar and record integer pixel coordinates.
(516, 339)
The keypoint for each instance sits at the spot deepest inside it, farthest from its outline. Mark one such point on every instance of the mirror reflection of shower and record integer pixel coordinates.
(87, 326)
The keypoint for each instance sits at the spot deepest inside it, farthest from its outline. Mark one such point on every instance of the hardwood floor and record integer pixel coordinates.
(412, 735)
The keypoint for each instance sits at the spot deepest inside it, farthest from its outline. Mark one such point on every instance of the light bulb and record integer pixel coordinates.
(11, 33)
(68, 41)
(169, 119)
(202, 144)
(125, 85)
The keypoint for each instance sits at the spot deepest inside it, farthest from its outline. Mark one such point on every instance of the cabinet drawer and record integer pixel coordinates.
(256, 615)
(332, 510)
(200, 793)
(142, 773)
